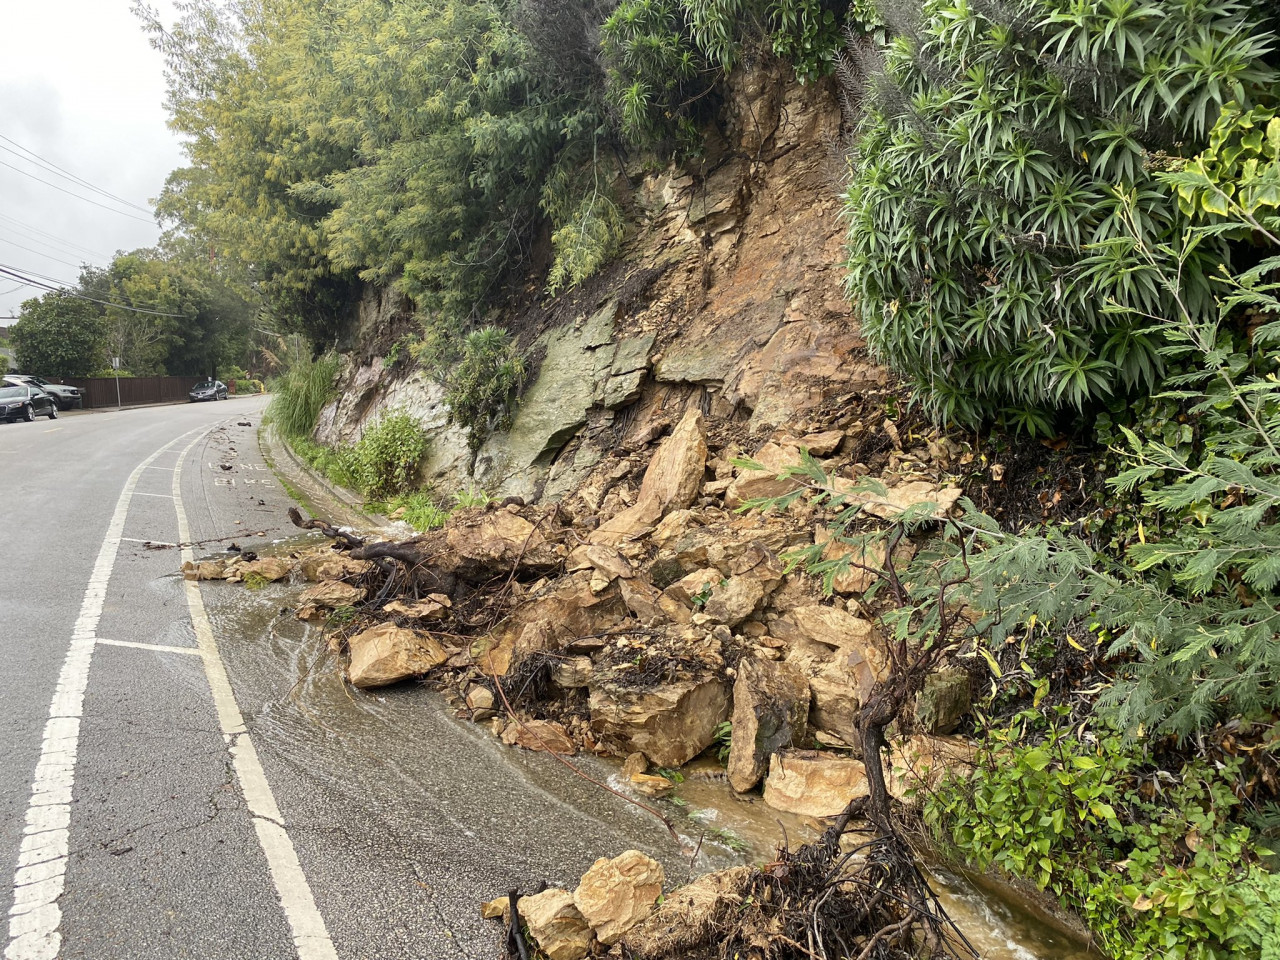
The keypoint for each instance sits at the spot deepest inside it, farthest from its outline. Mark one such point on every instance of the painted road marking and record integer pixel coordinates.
(157, 647)
(162, 496)
(310, 937)
(154, 543)
(35, 918)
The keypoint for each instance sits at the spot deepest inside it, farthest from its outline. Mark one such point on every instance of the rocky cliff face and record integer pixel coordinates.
(727, 297)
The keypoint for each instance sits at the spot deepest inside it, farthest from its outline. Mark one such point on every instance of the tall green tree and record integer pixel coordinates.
(59, 335)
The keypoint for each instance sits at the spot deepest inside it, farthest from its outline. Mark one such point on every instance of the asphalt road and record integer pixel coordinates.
(170, 791)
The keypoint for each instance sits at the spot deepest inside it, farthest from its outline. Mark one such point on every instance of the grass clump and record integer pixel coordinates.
(421, 511)
(301, 393)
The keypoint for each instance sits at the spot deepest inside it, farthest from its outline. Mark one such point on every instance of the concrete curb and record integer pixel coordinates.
(346, 507)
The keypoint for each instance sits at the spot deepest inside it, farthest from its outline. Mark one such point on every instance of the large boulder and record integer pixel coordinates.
(614, 895)
(812, 783)
(331, 593)
(497, 541)
(386, 653)
(841, 656)
(671, 482)
(770, 713)
(329, 565)
(670, 723)
(556, 925)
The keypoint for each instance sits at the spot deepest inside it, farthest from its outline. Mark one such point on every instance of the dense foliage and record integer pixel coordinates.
(58, 335)
(159, 312)
(431, 144)
(1008, 161)
(1152, 860)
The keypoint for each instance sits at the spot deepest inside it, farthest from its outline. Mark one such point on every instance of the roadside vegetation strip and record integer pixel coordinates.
(35, 918)
(310, 937)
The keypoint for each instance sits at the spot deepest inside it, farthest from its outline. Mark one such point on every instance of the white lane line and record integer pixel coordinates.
(154, 543)
(162, 496)
(158, 647)
(35, 918)
(310, 937)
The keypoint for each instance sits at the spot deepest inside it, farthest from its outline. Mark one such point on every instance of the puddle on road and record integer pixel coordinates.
(310, 715)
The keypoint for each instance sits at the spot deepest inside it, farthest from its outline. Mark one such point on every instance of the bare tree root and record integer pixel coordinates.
(835, 900)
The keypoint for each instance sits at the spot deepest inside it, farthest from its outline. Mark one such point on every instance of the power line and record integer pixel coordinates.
(80, 296)
(34, 233)
(123, 213)
(53, 168)
(40, 253)
(59, 284)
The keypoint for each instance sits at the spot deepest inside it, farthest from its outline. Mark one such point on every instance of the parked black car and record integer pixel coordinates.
(208, 390)
(25, 402)
(63, 395)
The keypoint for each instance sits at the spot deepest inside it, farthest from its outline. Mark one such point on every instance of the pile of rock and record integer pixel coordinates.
(613, 897)
(654, 613)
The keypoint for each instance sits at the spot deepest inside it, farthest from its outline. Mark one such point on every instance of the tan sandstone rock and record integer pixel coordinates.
(544, 735)
(689, 917)
(671, 482)
(670, 723)
(556, 925)
(331, 593)
(614, 895)
(386, 653)
(770, 713)
(812, 783)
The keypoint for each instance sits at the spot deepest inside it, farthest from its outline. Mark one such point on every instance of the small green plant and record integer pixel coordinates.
(386, 458)
(341, 616)
(471, 497)
(481, 388)
(254, 580)
(699, 599)
(420, 510)
(723, 740)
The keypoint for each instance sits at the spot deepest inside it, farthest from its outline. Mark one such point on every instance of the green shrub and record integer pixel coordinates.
(246, 387)
(481, 387)
(301, 393)
(385, 460)
(336, 464)
(1009, 152)
(1155, 873)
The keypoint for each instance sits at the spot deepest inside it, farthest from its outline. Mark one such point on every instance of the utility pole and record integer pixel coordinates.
(115, 365)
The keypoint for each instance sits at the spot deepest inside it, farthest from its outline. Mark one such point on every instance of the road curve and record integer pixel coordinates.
(182, 772)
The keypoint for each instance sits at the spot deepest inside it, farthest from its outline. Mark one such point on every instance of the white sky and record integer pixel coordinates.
(82, 88)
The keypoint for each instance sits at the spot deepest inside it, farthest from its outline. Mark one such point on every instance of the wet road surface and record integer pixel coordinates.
(147, 812)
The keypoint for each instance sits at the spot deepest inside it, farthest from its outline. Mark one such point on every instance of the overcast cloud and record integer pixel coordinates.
(81, 87)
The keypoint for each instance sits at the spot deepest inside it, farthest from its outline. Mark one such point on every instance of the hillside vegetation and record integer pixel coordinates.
(1063, 220)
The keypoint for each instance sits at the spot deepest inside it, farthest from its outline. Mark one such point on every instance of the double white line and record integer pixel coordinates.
(35, 919)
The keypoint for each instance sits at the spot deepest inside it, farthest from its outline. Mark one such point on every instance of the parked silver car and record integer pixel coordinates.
(208, 390)
(63, 395)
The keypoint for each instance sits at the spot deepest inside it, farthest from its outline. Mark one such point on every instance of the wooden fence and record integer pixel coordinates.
(101, 391)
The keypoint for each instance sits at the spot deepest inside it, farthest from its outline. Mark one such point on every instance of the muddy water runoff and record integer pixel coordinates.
(306, 710)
